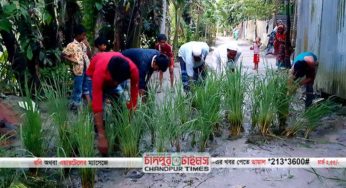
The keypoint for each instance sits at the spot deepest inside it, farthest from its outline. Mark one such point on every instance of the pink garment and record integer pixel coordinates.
(256, 48)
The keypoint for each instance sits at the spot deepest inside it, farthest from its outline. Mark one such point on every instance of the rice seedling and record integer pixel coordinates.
(254, 102)
(264, 101)
(283, 97)
(55, 91)
(308, 120)
(161, 127)
(110, 127)
(207, 99)
(171, 121)
(31, 129)
(149, 109)
(181, 116)
(84, 135)
(234, 90)
(129, 126)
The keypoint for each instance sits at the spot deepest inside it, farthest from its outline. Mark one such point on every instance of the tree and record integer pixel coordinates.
(164, 17)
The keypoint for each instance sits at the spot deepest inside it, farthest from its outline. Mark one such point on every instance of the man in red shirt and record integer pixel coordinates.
(166, 49)
(107, 70)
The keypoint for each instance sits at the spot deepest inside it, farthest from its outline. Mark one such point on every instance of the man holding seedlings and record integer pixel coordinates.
(147, 61)
(192, 56)
(305, 65)
(107, 70)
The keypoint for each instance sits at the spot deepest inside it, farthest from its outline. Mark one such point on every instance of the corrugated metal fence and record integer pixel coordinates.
(321, 29)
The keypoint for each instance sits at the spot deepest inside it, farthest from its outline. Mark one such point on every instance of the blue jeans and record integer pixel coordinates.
(118, 90)
(80, 87)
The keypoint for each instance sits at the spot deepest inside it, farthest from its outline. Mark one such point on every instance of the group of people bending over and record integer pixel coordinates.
(106, 73)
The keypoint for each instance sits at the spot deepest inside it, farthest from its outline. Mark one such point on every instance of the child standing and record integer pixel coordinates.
(78, 53)
(166, 49)
(256, 49)
(101, 44)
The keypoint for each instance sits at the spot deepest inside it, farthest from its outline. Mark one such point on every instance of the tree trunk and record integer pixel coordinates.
(72, 10)
(164, 16)
(118, 38)
(177, 20)
(134, 28)
(50, 31)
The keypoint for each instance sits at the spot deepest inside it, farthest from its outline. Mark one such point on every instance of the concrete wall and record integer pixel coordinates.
(247, 30)
(321, 29)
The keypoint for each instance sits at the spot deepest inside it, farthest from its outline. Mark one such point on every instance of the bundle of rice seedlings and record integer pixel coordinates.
(171, 121)
(283, 96)
(31, 129)
(235, 87)
(308, 120)
(255, 92)
(265, 104)
(207, 99)
(84, 135)
(181, 116)
(110, 127)
(161, 127)
(129, 128)
(55, 91)
(149, 109)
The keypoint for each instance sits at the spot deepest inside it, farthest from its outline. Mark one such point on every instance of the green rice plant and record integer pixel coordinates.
(265, 102)
(129, 128)
(84, 135)
(31, 129)
(110, 127)
(180, 116)
(235, 87)
(254, 101)
(171, 121)
(283, 96)
(55, 91)
(149, 110)
(206, 99)
(161, 127)
(308, 120)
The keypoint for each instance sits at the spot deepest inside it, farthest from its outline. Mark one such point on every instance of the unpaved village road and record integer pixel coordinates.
(330, 141)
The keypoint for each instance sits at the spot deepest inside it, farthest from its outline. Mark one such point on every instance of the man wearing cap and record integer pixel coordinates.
(107, 70)
(147, 61)
(305, 65)
(226, 58)
(192, 56)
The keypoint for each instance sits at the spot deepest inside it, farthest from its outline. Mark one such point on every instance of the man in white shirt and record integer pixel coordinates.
(224, 58)
(192, 56)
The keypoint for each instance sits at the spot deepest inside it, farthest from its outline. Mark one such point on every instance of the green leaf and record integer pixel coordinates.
(47, 18)
(9, 9)
(98, 6)
(5, 25)
(29, 54)
(42, 56)
(17, 185)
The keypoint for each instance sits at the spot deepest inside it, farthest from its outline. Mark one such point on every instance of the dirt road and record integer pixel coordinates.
(329, 141)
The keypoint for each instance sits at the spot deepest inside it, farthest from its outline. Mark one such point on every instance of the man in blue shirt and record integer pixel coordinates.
(305, 68)
(147, 61)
